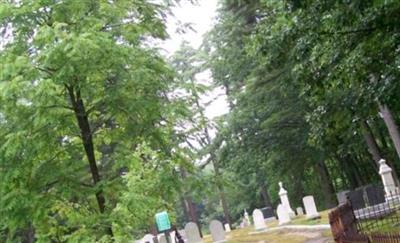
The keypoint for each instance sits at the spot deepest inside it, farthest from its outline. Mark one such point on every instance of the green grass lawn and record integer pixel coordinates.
(289, 236)
(301, 220)
(388, 224)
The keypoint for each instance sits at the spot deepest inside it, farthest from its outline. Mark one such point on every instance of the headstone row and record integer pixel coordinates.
(191, 234)
(285, 212)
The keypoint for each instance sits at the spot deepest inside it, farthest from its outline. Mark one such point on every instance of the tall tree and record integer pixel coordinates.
(85, 119)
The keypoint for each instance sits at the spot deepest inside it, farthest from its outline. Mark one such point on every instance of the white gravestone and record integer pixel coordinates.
(285, 200)
(162, 239)
(258, 219)
(387, 178)
(172, 234)
(299, 211)
(246, 218)
(192, 233)
(217, 231)
(283, 215)
(147, 238)
(227, 228)
(311, 209)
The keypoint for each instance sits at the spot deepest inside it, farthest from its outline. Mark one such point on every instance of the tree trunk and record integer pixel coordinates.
(185, 209)
(221, 191)
(393, 132)
(326, 184)
(373, 148)
(190, 207)
(87, 139)
(349, 173)
(28, 234)
(214, 162)
(265, 196)
(391, 126)
(193, 213)
(153, 230)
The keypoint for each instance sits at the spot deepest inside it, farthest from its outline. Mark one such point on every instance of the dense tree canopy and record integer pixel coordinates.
(98, 131)
(87, 127)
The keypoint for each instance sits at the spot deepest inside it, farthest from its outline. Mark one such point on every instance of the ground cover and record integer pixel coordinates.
(287, 236)
(388, 224)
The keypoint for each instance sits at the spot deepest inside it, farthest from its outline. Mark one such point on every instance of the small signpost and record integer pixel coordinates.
(163, 224)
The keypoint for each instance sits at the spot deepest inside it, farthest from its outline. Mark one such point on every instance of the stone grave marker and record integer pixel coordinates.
(285, 200)
(162, 239)
(172, 234)
(311, 209)
(149, 238)
(192, 233)
(268, 213)
(246, 218)
(387, 179)
(258, 218)
(357, 199)
(299, 211)
(217, 231)
(375, 195)
(283, 215)
(183, 234)
(227, 228)
(342, 196)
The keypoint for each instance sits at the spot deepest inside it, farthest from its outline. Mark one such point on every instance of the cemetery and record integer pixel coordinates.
(199, 121)
(372, 209)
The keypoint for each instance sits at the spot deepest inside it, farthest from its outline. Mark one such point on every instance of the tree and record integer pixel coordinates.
(87, 129)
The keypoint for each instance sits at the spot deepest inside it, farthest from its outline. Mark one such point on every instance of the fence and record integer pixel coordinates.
(380, 211)
(344, 226)
(376, 221)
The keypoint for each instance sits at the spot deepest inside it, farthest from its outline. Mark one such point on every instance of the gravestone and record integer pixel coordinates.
(162, 239)
(357, 199)
(246, 218)
(283, 215)
(217, 231)
(387, 178)
(299, 211)
(375, 195)
(258, 218)
(268, 213)
(183, 234)
(342, 196)
(311, 209)
(227, 228)
(172, 234)
(149, 238)
(192, 233)
(285, 200)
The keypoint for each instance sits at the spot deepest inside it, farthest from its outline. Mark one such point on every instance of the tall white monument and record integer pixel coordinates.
(285, 200)
(387, 179)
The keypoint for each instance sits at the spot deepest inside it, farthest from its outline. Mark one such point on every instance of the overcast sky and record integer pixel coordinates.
(201, 16)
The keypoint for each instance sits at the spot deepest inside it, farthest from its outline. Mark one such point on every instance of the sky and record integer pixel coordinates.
(201, 16)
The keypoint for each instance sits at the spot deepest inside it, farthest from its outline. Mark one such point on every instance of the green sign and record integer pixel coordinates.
(162, 221)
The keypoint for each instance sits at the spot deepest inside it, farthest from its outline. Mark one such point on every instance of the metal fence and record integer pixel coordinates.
(380, 211)
(371, 220)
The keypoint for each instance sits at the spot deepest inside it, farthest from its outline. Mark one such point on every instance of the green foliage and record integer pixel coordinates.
(75, 73)
(301, 76)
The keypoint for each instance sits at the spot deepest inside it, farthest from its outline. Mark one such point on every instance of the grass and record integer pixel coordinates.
(242, 235)
(301, 220)
(287, 236)
(388, 224)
